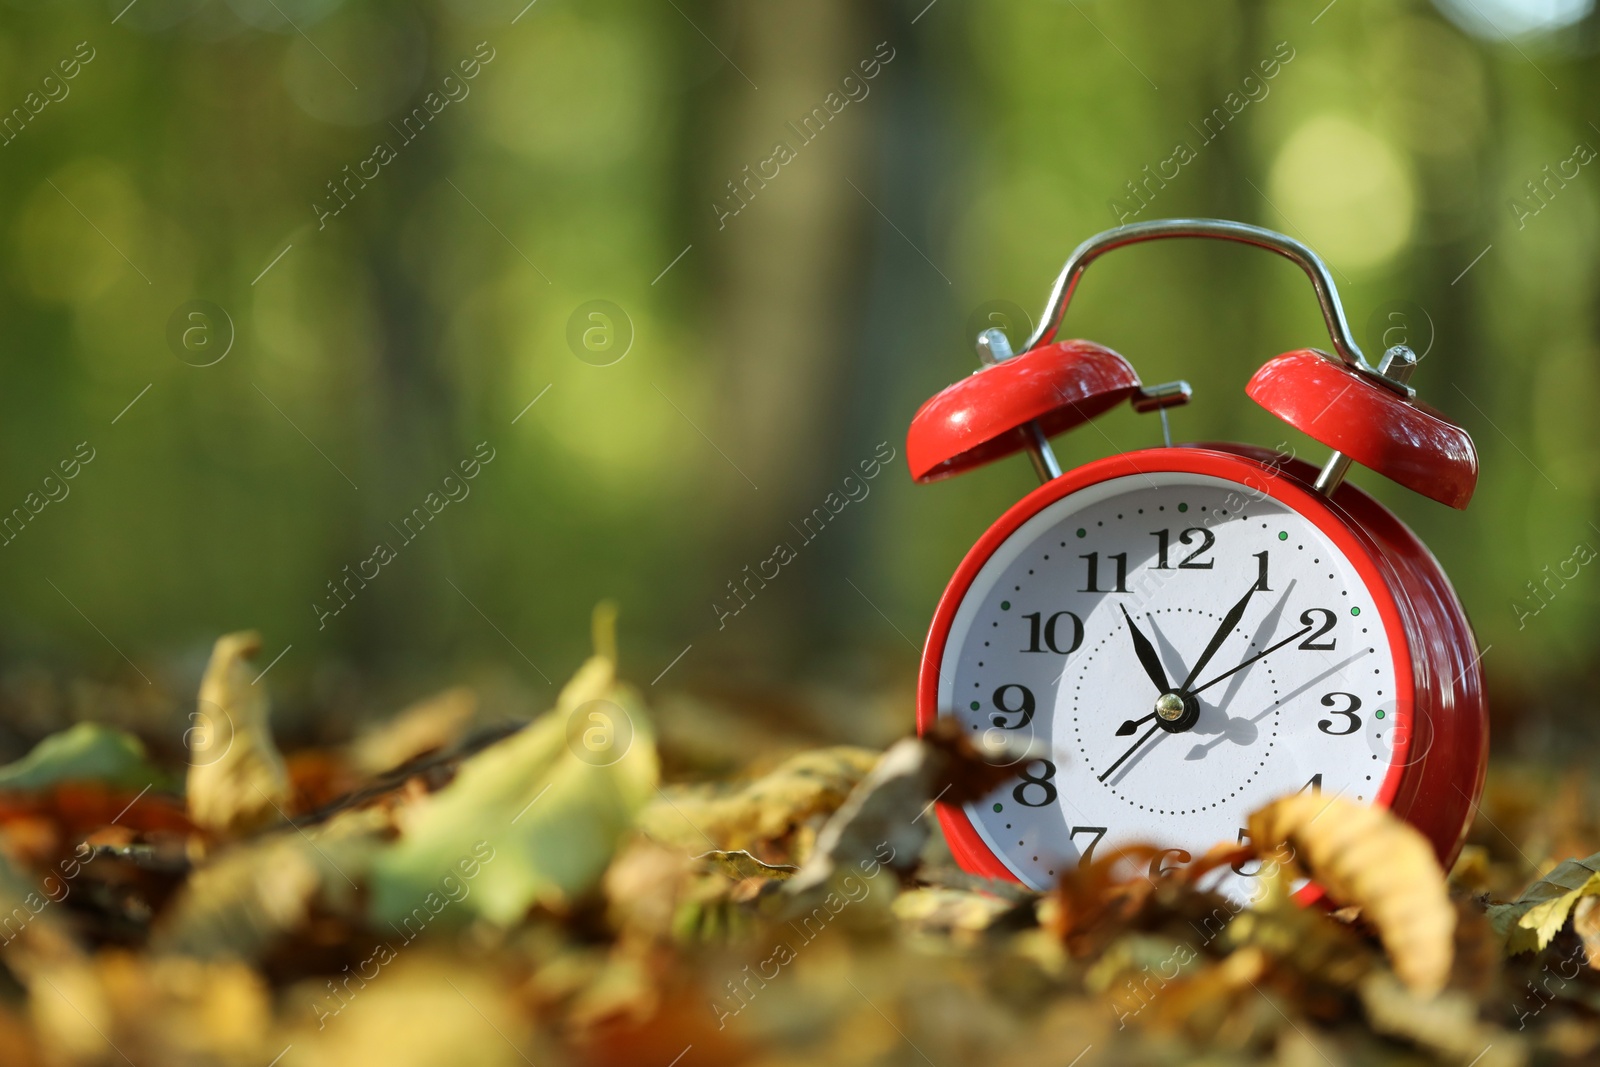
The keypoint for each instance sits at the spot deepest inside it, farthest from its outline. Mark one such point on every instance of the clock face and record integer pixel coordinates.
(1179, 650)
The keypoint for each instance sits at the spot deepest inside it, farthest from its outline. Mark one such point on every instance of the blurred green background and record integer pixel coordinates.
(762, 336)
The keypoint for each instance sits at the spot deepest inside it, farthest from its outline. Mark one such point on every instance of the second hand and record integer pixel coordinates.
(1233, 670)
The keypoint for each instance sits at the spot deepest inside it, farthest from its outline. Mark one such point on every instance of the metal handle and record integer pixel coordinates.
(1327, 294)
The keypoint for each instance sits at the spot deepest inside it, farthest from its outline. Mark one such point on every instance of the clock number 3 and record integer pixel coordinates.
(1349, 714)
(1020, 793)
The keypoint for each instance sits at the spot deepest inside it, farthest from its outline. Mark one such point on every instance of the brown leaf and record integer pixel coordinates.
(1367, 857)
(965, 772)
(237, 780)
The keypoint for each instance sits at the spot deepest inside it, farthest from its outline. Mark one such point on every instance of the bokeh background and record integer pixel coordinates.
(758, 338)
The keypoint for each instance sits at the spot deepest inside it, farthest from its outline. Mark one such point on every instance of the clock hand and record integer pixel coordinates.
(1131, 750)
(1147, 655)
(1229, 621)
(1232, 670)
(1131, 725)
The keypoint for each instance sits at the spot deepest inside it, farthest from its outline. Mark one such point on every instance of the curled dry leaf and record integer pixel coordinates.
(1367, 857)
(1538, 914)
(237, 780)
(889, 814)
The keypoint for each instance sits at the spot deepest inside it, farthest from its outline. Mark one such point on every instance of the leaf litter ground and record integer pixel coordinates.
(440, 892)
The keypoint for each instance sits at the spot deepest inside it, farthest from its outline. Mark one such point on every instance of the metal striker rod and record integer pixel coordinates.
(1398, 364)
(993, 348)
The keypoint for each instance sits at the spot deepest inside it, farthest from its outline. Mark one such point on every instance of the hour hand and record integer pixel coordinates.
(1147, 656)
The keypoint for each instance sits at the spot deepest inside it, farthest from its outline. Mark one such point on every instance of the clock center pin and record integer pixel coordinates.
(1169, 706)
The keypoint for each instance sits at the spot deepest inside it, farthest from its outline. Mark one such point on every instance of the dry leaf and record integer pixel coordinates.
(1538, 914)
(423, 727)
(252, 894)
(237, 780)
(950, 911)
(740, 864)
(796, 791)
(1367, 857)
(1447, 1024)
(889, 814)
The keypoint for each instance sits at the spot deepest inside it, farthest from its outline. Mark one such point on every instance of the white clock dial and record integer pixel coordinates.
(1088, 631)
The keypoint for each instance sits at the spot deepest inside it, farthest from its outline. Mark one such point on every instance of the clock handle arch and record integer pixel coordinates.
(1346, 351)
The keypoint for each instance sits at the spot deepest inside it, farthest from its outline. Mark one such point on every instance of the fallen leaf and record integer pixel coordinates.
(1538, 914)
(1367, 857)
(888, 816)
(421, 728)
(740, 864)
(250, 895)
(536, 816)
(87, 752)
(237, 780)
(932, 909)
(1446, 1024)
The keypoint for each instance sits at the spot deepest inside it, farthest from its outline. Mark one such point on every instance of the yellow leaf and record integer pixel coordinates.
(799, 789)
(1538, 914)
(1367, 857)
(237, 781)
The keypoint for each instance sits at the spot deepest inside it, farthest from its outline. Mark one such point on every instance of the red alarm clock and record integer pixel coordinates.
(1183, 634)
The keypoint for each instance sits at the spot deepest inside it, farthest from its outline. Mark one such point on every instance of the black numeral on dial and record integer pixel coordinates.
(1051, 634)
(1093, 580)
(1046, 786)
(1023, 709)
(1087, 856)
(1308, 618)
(1158, 866)
(1191, 562)
(1349, 713)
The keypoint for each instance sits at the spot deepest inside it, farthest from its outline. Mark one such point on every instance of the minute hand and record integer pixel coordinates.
(1229, 621)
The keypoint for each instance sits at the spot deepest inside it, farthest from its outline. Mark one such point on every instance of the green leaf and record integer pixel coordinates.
(533, 819)
(87, 752)
(1534, 918)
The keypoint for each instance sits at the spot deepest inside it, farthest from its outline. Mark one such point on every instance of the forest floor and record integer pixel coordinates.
(444, 891)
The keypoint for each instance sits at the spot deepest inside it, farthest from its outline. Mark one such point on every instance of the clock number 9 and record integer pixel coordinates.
(1050, 634)
(1020, 793)
(1023, 710)
(1349, 713)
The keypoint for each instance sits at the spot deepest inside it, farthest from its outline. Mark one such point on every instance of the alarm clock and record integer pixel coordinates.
(1179, 635)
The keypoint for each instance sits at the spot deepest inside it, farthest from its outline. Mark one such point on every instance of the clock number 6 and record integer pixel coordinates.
(1020, 793)
(1349, 713)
